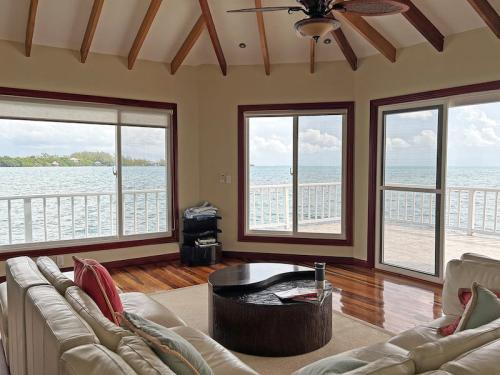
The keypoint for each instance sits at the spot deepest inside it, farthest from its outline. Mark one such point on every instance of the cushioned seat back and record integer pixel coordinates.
(482, 360)
(93, 360)
(461, 274)
(52, 327)
(109, 333)
(22, 274)
(53, 274)
(433, 355)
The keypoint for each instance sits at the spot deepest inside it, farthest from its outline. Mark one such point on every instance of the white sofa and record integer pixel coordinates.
(49, 327)
(422, 350)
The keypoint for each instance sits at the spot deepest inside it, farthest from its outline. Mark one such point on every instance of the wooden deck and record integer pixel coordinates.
(412, 246)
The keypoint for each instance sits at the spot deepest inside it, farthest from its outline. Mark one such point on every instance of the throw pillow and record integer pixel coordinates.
(464, 295)
(175, 351)
(95, 280)
(483, 307)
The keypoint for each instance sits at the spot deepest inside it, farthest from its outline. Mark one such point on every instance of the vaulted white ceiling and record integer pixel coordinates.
(62, 23)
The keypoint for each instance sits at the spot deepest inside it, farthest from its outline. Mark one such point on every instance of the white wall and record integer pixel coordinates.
(207, 104)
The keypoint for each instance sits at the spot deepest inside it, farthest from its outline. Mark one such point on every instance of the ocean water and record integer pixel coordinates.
(147, 213)
(482, 177)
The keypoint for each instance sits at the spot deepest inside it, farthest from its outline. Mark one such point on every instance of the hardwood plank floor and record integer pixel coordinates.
(388, 301)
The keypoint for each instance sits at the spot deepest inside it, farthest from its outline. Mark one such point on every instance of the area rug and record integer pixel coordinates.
(191, 304)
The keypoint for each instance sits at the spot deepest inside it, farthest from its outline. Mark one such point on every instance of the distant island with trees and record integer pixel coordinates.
(77, 159)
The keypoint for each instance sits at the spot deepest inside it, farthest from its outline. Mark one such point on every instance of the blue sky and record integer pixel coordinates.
(25, 138)
(320, 140)
(473, 134)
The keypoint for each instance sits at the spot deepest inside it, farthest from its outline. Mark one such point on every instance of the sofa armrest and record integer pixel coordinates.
(52, 327)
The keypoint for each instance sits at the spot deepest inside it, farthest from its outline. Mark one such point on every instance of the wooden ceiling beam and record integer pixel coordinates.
(149, 17)
(370, 34)
(346, 48)
(263, 39)
(424, 25)
(312, 56)
(188, 44)
(30, 27)
(91, 28)
(205, 10)
(488, 14)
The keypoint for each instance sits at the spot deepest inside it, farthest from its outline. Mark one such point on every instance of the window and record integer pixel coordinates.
(295, 173)
(436, 187)
(76, 173)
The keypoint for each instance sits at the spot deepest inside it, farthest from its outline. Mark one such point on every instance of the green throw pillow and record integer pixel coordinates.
(332, 366)
(175, 351)
(483, 308)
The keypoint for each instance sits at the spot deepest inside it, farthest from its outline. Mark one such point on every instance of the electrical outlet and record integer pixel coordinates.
(228, 179)
(222, 178)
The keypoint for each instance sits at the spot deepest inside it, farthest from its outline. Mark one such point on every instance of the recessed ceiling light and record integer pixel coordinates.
(327, 41)
(242, 45)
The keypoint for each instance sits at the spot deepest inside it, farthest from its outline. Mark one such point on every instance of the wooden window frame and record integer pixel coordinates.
(348, 173)
(94, 244)
(373, 171)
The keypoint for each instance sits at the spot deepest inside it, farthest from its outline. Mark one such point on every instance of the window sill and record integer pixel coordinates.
(296, 240)
(94, 246)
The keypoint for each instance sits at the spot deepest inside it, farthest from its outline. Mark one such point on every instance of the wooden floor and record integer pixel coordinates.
(388, 301)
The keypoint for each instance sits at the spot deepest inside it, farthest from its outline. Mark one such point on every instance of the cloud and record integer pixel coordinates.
(272, 143)
(313, 140)
(426, 138)
(392, 143)
(477, 117)
(484, 137)
(417, 115)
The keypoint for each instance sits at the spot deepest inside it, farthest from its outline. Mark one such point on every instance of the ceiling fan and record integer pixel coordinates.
(320, 20)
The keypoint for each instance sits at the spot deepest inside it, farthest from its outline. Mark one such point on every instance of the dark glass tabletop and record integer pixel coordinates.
(256, 275)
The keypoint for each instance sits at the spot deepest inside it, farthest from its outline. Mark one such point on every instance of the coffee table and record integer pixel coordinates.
(246, 316)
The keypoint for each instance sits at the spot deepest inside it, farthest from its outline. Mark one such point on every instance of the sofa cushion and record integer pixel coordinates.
(461, 274)
(391, 365)
(148, 308)
(109, 333)
(4, 322)
(422, 334)
(482, 360)
(22, 274)
(176, 352)
(96, 281)
(220, 360)
(141, 358)
(53, 274)
(332, 365)
(483, 308)
(54, 327)
(479, 258)
(92, 359)
(432, 355)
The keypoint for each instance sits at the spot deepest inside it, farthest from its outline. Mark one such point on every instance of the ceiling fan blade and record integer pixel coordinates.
(266, 9)
(371, 7)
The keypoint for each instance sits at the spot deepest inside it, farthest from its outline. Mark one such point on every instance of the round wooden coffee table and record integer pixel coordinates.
(246, 316)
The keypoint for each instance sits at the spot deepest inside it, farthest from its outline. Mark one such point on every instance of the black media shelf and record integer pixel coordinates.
(199, 229)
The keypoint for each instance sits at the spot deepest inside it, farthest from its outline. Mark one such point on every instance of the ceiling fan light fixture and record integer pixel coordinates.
(316, 28)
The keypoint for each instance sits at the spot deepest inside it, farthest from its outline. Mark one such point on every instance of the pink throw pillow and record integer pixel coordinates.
(94, 279)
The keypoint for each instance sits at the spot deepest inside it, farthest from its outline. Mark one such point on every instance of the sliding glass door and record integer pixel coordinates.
(410, 189)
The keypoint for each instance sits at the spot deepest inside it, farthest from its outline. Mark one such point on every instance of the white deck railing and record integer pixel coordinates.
(53, 217)
(271, 207)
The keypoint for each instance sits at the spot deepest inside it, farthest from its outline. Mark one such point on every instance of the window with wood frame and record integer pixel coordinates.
(82, 172)
(296, 173)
